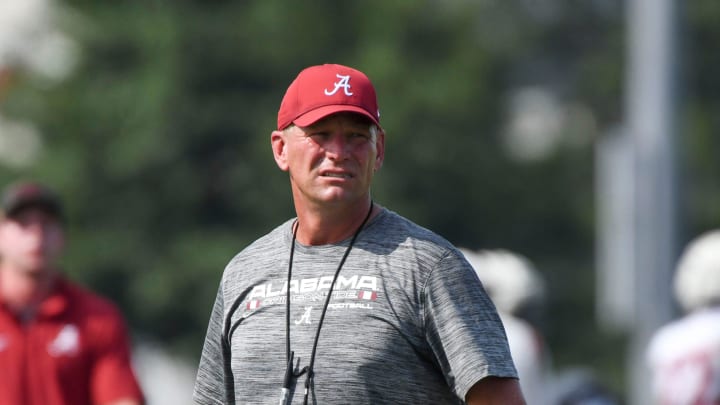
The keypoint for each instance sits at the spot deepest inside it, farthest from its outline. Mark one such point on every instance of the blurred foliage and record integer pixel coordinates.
(159, 139)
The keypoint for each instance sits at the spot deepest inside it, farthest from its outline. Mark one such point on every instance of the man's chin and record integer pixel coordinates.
(339, 198)
(37, 268)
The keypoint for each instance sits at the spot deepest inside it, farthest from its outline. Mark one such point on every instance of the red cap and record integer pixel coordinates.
(30, 194)
(319, 91)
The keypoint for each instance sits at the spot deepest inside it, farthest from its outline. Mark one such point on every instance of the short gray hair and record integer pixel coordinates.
(374, 130)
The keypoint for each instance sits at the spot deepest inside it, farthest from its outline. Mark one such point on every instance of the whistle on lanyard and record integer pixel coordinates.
(285, 390)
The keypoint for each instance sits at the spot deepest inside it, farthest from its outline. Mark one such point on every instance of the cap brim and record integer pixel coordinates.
(319, 113)
(48, 206)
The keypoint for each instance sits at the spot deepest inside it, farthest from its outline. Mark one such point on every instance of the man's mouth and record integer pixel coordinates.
(337, 175)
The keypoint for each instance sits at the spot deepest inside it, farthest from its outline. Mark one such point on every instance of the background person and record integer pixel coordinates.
(684, 355)
(60, 344)
(518, 291)
(349, 302)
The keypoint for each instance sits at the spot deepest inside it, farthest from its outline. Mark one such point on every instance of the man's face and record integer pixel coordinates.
(331, 161)
(31, 240)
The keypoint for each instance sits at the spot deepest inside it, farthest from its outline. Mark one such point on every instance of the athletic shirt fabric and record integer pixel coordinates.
(408, 322)
(75, 351)
(684, 357)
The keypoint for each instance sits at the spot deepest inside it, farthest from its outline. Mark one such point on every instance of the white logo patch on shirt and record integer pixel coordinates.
(305, 318)
(67, 342)
(360, 290)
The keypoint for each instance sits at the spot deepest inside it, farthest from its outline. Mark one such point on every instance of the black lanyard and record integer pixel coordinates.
(289, 372)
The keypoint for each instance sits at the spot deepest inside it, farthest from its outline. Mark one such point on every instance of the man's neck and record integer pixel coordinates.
(322, 226)
(23, 292)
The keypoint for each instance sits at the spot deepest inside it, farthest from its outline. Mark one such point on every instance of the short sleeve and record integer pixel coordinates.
(463, 327)
(112, 376)
(210, 382)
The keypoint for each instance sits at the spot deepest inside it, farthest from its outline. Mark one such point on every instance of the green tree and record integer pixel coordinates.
(159, 140)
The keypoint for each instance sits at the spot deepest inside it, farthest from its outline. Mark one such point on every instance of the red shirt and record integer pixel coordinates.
(74, 352)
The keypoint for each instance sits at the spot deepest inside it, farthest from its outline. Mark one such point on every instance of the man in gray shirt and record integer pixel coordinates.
(349, 302)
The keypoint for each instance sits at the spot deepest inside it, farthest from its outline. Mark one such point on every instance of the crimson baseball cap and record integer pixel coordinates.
(18, 196)
(321, 90)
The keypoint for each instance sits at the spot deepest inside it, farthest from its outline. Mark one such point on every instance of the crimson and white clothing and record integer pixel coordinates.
(75, 351)
(684, 357)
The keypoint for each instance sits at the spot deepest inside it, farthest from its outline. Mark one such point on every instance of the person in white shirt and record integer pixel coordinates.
(684, 355)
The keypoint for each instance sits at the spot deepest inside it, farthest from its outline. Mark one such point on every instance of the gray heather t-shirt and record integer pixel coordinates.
(408, 322)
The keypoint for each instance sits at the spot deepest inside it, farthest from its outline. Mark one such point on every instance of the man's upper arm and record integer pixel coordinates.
(113, 378)
(210, 379)
(495, 391)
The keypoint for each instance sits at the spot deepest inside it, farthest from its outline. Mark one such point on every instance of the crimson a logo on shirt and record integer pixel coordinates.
(354, 288)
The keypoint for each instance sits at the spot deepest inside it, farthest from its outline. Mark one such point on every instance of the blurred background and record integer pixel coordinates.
(578, 133)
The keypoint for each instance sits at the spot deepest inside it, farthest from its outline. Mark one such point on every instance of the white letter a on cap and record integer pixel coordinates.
(344, 82)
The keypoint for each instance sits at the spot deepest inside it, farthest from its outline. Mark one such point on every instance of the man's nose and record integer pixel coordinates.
(337, 146)
(36, 228)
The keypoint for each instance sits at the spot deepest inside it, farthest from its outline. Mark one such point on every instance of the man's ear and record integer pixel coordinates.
(380, 147)
(277, 141)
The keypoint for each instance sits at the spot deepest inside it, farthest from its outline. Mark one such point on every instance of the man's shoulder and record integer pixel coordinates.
(263, 248)
(268, 241)
(399, 228)
(85, 300)
(404, 240)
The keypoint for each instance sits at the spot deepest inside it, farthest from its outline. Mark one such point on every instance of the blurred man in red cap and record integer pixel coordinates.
(60, 344)
(349, 302)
